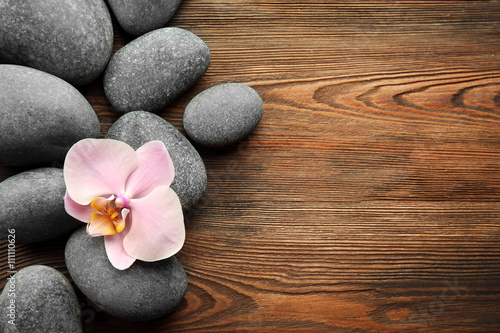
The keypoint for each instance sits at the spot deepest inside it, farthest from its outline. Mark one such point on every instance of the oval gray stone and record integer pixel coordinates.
(42, 117)
(71, 39)
(139, 127)
(33, 205)
(223, 114)
(144, 291)
(39, 299)
(152, 70)
(139, 17)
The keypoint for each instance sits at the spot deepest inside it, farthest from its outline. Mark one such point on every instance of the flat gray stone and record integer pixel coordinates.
(138, 16)
(71, 39)
(139, 127)
(144, 291)
(223, 114)
(152, 70)
(39, 299)
(33, 205)
(41, 116)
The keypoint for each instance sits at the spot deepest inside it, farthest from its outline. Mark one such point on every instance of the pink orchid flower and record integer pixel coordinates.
(125, 196)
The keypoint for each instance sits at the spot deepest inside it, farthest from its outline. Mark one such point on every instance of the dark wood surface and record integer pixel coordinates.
(368, 198)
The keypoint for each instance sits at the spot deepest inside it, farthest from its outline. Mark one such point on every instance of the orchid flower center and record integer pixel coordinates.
(122, 201)
(109, 215)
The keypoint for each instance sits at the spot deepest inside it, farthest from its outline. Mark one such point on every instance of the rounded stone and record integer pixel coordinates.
(33, 206)
(71, 39)
(139, 17)
(223, 114)
(144, 291)
(42, 117)
(39, 299)
(139, 127)
(152, 70)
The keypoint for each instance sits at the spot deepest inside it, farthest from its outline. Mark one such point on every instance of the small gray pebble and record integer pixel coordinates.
(144, 291)
(139, 127)
(71, 39)
(39, 299)
(152, 70)
(139, 17)
(223, 114)
(33, 205)
(41, 116)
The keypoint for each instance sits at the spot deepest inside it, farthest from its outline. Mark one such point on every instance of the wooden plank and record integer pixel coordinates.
(367, 200)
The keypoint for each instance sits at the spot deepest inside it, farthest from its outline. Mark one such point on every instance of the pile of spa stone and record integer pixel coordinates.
(47, 48)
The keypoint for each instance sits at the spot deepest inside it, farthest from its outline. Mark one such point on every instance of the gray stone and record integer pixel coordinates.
(71, 39)
(33, 205)
(139, 16)
(39, 299)
(144, 291)
(42, 117)
(152, 70)
(139, 127)
(223, 114)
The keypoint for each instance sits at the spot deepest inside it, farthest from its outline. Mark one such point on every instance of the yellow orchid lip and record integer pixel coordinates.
(107, 219)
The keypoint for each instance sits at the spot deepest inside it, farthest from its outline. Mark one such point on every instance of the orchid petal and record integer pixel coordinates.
(157, 229)
(115, 251)
(79, 212)
(155, 168)
(96, 167)
(100, 225)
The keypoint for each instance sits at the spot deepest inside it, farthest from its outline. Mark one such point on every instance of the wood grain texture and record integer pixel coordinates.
(368, 198)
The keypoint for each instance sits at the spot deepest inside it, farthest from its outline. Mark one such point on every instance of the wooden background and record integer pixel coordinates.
(368, 198)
